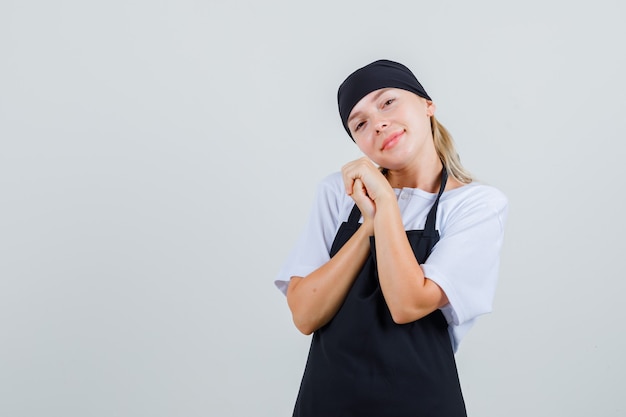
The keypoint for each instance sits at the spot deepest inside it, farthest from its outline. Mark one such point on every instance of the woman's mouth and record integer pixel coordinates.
(391, 140)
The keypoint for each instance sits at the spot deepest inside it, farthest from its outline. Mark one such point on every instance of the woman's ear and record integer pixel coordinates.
(430, 108)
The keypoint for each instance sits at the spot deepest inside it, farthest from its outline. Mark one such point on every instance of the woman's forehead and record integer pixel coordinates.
(372, 97)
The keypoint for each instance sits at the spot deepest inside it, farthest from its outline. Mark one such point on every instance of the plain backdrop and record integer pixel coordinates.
(158, 160)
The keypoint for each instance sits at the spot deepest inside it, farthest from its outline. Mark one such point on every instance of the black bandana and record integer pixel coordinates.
(372, 77)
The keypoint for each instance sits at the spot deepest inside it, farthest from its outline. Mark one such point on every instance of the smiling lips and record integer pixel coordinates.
(391, 140)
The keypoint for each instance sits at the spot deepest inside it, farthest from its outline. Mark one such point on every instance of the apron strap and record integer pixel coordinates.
(429, 228)
(355, 215)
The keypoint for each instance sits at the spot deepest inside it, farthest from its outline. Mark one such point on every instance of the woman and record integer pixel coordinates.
(399, 257)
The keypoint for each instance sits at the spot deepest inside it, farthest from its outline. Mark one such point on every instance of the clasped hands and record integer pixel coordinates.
(367, 186)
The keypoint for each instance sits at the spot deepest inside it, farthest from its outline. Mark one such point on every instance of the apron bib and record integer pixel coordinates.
(363, 364)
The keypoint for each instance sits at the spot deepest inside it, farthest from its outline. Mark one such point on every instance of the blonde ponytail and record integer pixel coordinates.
(444, 144)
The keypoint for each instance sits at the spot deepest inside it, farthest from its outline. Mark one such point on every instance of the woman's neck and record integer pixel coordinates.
(425, 175)
(427, 180)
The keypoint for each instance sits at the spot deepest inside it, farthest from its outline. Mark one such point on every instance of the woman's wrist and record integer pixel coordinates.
(386, 199)
(367, 227)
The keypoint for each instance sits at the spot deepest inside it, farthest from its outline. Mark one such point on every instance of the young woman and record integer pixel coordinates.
(399, 257)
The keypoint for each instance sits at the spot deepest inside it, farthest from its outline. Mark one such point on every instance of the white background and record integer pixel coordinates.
(158, 160)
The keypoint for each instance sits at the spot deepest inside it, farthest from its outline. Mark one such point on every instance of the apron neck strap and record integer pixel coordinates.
(429, 228)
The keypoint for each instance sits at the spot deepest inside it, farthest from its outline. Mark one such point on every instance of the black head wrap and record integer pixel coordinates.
(379, 74)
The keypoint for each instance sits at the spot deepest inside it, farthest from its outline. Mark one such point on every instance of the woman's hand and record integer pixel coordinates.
(363, 201)
(366, 185)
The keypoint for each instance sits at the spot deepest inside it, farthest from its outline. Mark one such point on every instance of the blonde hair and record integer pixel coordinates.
(444, 145)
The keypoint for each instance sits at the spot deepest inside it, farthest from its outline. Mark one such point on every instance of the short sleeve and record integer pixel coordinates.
(312, 248)
(465, 262)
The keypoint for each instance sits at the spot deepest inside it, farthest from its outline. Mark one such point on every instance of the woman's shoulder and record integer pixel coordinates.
(332, 178)
(331, 191)
(479, 193)
(331, 201)
(331, 183)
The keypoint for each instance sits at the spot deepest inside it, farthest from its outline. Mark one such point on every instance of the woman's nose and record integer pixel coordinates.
(380, 125)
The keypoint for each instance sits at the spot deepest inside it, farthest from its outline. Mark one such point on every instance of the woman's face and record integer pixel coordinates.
(392, 126)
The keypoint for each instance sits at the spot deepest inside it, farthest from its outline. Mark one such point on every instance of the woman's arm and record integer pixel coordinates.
(408, 294)
(314, 300)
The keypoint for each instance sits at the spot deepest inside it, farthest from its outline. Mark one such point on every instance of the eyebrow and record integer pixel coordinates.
(374, 98)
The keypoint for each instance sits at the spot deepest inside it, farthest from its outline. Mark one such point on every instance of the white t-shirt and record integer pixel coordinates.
(464, 263)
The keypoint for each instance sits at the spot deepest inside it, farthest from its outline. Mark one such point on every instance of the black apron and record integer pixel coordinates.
(363, 364)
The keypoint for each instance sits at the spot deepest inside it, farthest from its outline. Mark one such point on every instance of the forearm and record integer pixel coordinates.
(315, 299)
(408, 294)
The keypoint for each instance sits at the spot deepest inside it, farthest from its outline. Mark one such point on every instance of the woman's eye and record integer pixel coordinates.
(358, 126)
(388, 102)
